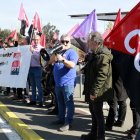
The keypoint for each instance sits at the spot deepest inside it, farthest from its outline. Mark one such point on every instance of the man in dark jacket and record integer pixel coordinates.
(118, 104)
(98, 84)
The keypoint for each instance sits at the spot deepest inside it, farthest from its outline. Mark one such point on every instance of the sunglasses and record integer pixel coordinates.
(64, 41)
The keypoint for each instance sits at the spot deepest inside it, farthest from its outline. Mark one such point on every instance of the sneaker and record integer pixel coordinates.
(58, 122)
(65, 127)
(50, 105)
(53, 112)
(40, 104)
(32, 103)
(88, 136)
(108, 128)
(131, 136)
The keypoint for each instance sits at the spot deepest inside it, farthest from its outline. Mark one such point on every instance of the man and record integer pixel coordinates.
(35, 72)
(98, 84)
(64, 76)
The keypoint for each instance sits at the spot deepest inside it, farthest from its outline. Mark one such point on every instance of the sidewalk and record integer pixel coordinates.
(41, 123)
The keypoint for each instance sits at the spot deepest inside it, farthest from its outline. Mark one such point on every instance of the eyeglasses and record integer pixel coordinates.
(64, 41)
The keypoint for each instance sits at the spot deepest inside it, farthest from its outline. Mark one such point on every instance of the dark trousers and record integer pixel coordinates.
(113, 112)
(98, 126)
(136, 118)
(122, 110)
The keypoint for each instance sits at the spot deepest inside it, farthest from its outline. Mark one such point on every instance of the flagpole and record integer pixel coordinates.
(31, 38)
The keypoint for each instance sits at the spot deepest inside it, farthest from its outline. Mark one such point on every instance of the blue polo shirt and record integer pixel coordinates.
(66, 76)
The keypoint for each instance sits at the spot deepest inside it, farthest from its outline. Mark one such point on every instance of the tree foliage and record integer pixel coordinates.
(109, 25)
(49, 31)
(6, 32)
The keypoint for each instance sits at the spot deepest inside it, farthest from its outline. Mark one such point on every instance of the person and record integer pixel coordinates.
(98, 84)
(11, 42)
(54, 41)
(65, 76)
(118, 105)
(35, 72)
(136, 122)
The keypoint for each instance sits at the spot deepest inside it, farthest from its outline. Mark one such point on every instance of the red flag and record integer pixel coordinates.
(43, 40)
(37, 23)
(118, 18)
(13, 35)
(125, 35)
(104, 35)
(23, 16)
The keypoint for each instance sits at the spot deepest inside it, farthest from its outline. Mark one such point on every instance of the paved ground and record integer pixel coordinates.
(7, 132)
(41, 123)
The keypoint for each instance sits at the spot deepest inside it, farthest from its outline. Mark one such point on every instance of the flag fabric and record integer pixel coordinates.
(37, 23)
(87, 26)
(118, 18)
(105, 34)
(124, 40)
(22, 15)
(43, 40)
(13, 35)
(72, 30)
(125, 35)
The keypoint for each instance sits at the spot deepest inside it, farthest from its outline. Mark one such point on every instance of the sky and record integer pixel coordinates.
(57, 11)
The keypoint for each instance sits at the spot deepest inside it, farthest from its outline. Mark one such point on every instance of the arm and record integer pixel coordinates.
(101, 74)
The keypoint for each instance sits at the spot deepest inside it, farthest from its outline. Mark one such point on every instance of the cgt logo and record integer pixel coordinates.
(133, 50)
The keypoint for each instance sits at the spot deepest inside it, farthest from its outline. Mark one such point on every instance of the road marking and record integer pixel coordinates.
(8, 130)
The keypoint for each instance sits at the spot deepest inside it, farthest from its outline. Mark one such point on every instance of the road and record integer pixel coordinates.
(41, 123)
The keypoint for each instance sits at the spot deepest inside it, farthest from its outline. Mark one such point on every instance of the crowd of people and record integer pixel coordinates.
(102, 83)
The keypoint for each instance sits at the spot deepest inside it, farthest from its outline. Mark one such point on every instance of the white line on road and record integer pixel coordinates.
(8, 130)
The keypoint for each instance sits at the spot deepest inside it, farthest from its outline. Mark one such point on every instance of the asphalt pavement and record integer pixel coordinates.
(42, 123)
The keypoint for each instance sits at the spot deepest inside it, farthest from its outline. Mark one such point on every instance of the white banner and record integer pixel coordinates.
(14, 66)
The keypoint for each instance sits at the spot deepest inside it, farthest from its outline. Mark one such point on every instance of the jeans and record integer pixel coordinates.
(65, 103)
(35, 75)
(98, 124)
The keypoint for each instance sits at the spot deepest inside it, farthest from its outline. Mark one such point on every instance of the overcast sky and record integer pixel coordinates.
(56, 11)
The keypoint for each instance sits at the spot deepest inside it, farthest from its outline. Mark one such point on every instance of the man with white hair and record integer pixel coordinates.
(65, 76)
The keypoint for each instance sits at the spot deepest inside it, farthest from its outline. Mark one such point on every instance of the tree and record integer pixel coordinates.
(6, 32)
(109, 25)
(49, 31)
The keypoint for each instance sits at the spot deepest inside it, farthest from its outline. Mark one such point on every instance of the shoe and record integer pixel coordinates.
(89, 136)
(131, 136)
(108, 128)
(130, 131)
(53, 112)
(119, 123)
(58, 122)
(40, 104)
(32, 103)
(65, 127)
(50, 105)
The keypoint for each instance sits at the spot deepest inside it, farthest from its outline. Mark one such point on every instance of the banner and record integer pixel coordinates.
(14, 66)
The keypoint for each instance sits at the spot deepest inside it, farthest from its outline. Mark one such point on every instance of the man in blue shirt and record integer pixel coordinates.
(65, 76)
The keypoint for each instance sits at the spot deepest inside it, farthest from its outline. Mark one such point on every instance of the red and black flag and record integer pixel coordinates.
(24, 20)
(125, 40)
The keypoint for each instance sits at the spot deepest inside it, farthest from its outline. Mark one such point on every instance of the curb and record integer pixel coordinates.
(23, 130)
